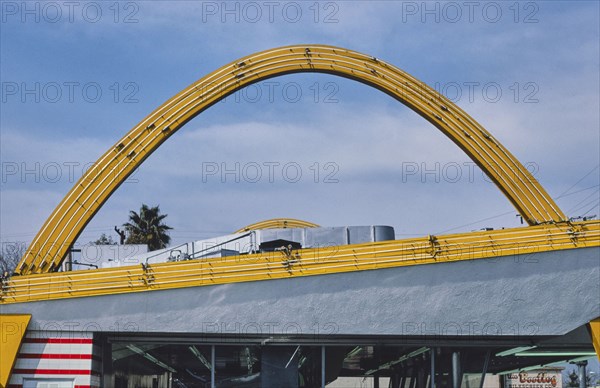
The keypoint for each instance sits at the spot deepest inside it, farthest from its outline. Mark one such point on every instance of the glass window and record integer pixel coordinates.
(237, 366)
(161, 365)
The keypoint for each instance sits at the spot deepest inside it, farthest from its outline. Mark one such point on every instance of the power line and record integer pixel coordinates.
(592, 208)
(476, 222)
(585, 205)
(579, 204)
(564, 194)
(582, 178)
(578, 191)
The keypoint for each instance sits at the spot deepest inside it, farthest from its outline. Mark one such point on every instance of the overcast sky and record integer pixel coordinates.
(76, 76)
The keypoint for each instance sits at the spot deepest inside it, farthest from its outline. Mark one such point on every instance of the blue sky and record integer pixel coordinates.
(527, 71)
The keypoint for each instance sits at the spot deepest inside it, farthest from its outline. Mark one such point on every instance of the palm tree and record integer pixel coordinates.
(147, 227)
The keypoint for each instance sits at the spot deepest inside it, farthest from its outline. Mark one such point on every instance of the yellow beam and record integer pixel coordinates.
(595, 333)
(277, 223)
(520, 242)
(12, 331)
(67, 221)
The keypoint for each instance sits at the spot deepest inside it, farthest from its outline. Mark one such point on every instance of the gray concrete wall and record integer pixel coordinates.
(547, 293)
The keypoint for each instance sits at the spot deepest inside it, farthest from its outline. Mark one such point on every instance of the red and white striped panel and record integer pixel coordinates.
(57, 357)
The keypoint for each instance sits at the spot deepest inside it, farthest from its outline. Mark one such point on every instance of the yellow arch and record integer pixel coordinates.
(94, 188)
(275, 223)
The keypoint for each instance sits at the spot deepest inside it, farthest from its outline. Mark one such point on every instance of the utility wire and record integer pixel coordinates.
(585, 205)
(579, 204)
(578, 191)
(564, 194)
(576, 183)
(476, 222)
(592, 208)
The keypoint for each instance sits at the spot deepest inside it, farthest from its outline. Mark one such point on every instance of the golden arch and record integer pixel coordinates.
(275, 223)
(94, 188)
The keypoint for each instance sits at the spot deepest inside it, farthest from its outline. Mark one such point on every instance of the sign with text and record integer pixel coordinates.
(534, 379)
